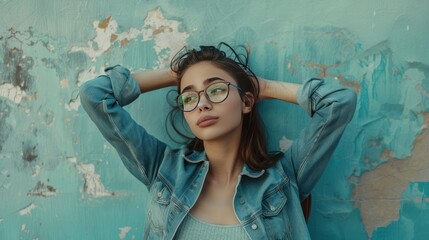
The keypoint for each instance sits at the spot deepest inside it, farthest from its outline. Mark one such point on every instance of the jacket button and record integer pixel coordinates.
(254, 226)
(242, 201)
(272, 208)
(159, 194)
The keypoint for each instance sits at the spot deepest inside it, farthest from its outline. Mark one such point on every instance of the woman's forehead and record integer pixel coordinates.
(197, 75)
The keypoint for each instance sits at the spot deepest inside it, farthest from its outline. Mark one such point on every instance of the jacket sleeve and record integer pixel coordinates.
(103, 99)
(331, 108)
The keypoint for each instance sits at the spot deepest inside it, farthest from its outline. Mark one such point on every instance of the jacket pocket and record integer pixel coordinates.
(274, 216)
(158, 209)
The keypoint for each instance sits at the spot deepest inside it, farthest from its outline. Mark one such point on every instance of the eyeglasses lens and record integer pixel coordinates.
(216, 93)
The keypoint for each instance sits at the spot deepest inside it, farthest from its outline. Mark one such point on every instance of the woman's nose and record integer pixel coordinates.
(204, 103)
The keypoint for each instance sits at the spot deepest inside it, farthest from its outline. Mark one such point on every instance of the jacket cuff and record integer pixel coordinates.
(125, 88)
(305, 93)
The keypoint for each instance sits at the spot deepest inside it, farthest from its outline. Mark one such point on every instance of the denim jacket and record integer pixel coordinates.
(266, 202)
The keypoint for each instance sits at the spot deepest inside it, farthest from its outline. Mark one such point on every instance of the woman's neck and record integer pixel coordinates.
(225, 162)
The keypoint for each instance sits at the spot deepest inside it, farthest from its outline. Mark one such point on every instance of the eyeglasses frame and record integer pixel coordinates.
(205, 93)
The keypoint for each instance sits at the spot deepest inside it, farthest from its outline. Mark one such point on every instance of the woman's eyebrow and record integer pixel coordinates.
(206, 81)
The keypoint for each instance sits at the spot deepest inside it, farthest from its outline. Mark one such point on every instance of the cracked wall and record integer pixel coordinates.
(60, 179)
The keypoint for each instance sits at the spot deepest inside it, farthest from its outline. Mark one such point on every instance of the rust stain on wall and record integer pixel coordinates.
(113, 37)
(124, 42)
(104, 23)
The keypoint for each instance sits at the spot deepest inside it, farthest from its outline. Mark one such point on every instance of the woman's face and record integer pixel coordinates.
(212, 121)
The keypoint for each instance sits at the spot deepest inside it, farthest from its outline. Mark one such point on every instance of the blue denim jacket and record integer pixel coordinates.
(266, 202)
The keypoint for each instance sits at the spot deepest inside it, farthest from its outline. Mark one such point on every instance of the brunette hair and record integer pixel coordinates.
(253, 147)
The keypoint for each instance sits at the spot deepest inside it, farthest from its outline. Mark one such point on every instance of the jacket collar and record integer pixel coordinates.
(247, 171)
(196, 157)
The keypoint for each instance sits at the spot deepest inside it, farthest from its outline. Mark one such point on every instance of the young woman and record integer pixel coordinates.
(222, 184)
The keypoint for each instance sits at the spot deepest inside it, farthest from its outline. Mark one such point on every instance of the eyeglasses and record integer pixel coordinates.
(216, 93)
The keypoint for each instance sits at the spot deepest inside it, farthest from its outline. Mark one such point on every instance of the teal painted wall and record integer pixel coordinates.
(59, 179)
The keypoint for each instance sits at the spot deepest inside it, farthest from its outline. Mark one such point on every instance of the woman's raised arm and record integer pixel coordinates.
(331, 107)
(103, 99)
(155, 79)
(278, 90)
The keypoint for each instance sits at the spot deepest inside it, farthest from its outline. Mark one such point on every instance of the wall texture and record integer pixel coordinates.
(59, 179)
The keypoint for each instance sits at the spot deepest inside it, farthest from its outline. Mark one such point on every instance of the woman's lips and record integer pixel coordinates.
(206, 121)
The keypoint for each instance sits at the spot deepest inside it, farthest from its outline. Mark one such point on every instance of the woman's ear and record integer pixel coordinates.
(248, 102)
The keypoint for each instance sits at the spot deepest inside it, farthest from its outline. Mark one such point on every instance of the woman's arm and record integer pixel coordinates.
(155, 79)
(278, 90)
(331, 107)
(103, 99)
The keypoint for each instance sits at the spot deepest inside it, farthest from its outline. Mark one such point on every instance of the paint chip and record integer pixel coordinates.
(124, 232)
(42, 190)
(13, 93)
(93, 185)
(27, 210)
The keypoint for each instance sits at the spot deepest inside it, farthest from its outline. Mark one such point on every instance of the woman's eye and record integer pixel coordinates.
(189, 99)
(217, 90)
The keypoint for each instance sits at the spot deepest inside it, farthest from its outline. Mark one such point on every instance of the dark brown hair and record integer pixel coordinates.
(252, 149)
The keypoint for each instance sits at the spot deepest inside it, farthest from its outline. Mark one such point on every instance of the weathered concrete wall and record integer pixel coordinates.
(59, 179)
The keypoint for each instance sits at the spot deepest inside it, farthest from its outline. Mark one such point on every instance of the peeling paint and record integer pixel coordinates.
(378, 192)
(102, 41)
(13, 93)
(27, 210)
(123, 232)
(168, 39)
(42, 190)
(93, 187)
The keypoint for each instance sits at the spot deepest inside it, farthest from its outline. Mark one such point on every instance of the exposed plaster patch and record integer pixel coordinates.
(87, 75)
(27, 210)
(92, 186)
(123, 232)
(168, 39)
(83, 76)
(165, 33)
(378, 192)
(13, 93)
(105, 33)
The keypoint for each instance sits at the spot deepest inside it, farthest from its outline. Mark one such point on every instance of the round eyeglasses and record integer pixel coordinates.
(216, 93)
